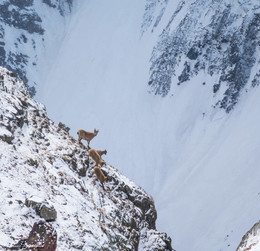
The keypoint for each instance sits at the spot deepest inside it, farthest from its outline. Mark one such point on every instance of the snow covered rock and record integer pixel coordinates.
(43, 209)
(39, 158)
(251, 240)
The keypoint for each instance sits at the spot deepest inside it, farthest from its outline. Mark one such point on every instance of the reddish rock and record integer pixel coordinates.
(42, 237)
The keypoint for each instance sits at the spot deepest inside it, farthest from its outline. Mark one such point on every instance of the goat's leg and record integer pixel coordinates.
(79, 140)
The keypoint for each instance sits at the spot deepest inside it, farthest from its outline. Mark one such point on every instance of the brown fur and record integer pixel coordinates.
(88, 136)
(95, 156)
(100, 175)
(102, 152)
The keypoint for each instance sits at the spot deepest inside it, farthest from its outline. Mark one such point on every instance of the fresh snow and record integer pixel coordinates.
(199, 163)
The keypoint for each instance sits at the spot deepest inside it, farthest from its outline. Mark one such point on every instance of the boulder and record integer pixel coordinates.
(43, 209)
(43, 237)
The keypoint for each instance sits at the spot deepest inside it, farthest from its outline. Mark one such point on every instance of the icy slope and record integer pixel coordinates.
(40, 161)
(191, 150)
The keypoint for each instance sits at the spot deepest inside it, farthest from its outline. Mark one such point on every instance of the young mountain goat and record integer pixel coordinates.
(88, 136)
(102, 152)
(100, 175)
(95, 156)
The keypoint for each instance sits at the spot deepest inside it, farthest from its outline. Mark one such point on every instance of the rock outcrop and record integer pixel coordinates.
(39, 158)
(42, 237)
(43, 209)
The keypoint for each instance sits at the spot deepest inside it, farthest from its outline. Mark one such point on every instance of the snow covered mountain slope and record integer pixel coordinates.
(220, 38)
(30, 35)
(195, 145)
(45, 173)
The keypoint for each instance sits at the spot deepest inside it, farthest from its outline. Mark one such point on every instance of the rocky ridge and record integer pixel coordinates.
(41, 163)
(251, 240)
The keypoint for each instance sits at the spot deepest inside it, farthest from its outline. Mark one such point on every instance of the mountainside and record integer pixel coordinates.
(194, 146)
(173, 88)
(30, 33)
(47, 174)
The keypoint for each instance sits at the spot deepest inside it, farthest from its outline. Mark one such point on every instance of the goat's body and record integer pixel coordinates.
(96, 157)
(100, 175)
(88, 136)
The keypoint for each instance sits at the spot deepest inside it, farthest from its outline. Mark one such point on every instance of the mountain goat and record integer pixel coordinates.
(96, 157)
(100, 175)
(88, 136)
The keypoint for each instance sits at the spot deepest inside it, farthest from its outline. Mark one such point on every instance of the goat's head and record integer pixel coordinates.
(96, 131)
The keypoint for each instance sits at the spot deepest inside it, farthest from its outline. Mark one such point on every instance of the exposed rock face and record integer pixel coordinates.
(163, 242)
(22, 33)
(41, 159)
(251, 240)
(217, 37)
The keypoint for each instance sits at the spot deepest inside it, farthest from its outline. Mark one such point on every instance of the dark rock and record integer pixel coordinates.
(74, 164)
(168, 241)
(27, 20)
(22, 4)
(216, 87)
(21, 121)
(32, 162)
(82, 172)
(126, 189)
(43, 209)
(221, 22)
(49, 2)
(148, 209)
(64, 127)
(185, 75)
(133, 224)
(234, 52)
(193, 53)
(59, 5)
(2, 54)
(48, 212)
(7, 139)
(32, 91)
(256, 80)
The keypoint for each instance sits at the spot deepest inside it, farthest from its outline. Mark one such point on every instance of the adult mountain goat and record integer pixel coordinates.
(100, 175)
(96, 157)
(88, 136)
